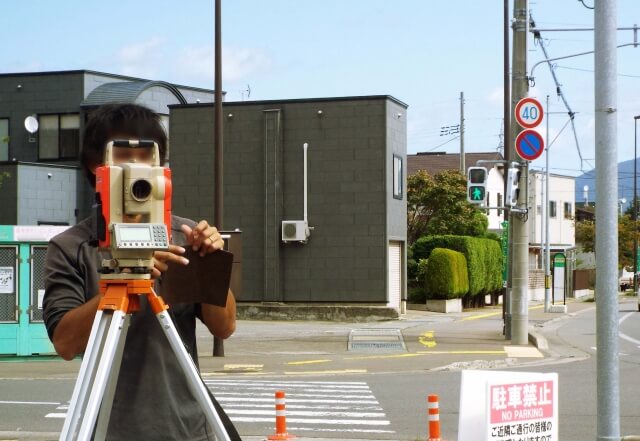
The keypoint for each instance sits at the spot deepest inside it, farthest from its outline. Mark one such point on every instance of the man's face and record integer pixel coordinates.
(136, 154)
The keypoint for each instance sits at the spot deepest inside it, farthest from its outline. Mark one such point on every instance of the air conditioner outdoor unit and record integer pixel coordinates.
(295, 231)
(298, 230)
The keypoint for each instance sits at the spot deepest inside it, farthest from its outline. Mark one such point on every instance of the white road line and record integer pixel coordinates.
(625, 336)
(30, 402)
(218, 393)
(291, 385)
(216, 387)
(300, 383)
(294, 400)
(55, 415)
(300, 406)
(306, 413)
(309, 429)
(315, 421)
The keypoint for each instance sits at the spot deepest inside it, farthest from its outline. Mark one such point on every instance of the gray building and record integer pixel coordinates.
(43, 167)
(356, 250)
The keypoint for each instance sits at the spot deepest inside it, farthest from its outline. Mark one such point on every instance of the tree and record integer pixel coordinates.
(438, 205)
(627, 229)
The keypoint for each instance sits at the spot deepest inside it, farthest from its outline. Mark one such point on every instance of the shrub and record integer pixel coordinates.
(483, 258)
(421, 272)
(446, 275)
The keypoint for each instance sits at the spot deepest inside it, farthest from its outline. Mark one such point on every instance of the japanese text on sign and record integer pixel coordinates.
(521, 411)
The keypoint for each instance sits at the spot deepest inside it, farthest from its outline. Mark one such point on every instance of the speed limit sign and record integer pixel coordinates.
(529, 113)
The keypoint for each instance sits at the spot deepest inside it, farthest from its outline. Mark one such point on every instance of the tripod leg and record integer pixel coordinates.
(107, 401)
(196, 386)
(102, 375)
(85, 377)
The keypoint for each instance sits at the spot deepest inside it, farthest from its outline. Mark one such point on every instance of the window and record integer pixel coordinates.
(59, 136)
(397, 177)
(568, 210)
(552, 208)
(4, 139)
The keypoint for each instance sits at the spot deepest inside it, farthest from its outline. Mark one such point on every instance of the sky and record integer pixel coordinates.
(422, 52)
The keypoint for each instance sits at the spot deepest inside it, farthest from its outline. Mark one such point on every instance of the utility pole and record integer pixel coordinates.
(463, 169)
(218, 343)
(547, 244)
(518, 222)
(607, 329)
(506, 102)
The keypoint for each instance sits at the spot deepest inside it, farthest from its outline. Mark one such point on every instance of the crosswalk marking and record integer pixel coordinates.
(312, 406)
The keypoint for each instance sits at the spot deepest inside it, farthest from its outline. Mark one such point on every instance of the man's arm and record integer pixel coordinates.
(221, 322)
(72, 333)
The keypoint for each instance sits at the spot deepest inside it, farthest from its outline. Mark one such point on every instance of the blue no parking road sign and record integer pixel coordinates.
(529, 145)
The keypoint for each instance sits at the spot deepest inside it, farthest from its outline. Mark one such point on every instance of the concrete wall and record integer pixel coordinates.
(47, 194)
(9, 195)
(345, 259)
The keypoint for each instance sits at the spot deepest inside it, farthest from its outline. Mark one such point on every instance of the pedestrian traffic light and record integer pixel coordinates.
(513, 178)
(476, 185)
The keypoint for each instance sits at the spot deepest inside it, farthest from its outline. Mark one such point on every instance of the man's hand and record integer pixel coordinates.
(162, 258)
(203, 238)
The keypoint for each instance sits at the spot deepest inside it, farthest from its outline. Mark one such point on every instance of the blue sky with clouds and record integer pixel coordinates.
(423, 52)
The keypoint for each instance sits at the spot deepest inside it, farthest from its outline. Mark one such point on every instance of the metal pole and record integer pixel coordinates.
(520, 234)
(463, 169)
(547, 248)
(506, 101)
(607, 328)
(218, 343)
(635, 207)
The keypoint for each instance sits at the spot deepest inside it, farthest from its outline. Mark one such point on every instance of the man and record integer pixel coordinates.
(152, 400)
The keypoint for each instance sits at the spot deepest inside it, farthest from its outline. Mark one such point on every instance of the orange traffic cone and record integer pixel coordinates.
(281, 419)
(434, 418)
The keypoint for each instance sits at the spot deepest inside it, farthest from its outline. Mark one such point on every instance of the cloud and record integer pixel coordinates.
(141, 59)
(197, 63)
(496, 95)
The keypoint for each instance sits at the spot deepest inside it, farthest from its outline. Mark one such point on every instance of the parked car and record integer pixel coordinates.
(626, 279)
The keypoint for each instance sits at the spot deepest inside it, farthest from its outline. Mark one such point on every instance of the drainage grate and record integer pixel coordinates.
(376, 340)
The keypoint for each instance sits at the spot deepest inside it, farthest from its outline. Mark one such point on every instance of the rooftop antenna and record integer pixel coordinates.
(247, 91)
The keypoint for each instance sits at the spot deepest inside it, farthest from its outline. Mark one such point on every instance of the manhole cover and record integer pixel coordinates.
(376, 340)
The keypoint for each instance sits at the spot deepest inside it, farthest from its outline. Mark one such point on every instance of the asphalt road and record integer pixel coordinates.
(336, 393)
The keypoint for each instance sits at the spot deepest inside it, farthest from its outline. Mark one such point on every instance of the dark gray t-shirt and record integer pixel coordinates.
(152, 399)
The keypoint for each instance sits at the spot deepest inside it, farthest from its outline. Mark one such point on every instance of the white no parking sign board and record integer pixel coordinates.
(508, 406)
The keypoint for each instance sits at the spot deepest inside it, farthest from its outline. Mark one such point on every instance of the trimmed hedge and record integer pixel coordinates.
(484, 259)
(446, 275)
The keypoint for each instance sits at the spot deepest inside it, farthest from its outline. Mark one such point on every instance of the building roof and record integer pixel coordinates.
(94, 72)
(126, 92)
(436, 162)
(296, 100)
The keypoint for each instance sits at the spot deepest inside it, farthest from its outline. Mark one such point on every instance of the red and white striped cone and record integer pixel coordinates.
(281, 419)
(434, 418)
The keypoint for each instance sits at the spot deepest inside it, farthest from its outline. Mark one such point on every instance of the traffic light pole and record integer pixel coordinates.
(519, 237)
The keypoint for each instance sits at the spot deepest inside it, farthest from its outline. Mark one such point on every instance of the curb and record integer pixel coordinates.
(287, 312)
(35, 436)
(538, 340)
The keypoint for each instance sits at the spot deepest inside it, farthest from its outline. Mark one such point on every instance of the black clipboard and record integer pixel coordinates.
(204, 280)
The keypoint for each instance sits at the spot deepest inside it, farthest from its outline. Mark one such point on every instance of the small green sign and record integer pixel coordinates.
(559, 260)
(504, 242)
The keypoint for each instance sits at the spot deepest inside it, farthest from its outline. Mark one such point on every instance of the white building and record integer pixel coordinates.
(561, 223)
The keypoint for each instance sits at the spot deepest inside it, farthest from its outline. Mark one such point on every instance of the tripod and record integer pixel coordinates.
(95, 387)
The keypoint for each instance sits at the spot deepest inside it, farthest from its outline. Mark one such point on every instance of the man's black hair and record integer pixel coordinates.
(110, 121)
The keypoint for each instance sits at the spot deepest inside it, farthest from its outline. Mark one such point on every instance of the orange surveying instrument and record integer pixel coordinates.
(123, 192)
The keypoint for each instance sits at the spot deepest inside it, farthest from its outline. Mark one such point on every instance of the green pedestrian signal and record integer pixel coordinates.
(476, 193)
(477, 185)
